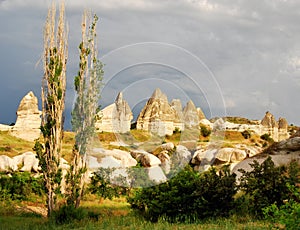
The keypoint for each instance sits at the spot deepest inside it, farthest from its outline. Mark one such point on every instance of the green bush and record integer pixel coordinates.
(267, 184)
(267, 137)
(20, 186)
(101, 184)
(205, 131)
(187, 197)
(67, 214)
(246, 134)
(287, 215)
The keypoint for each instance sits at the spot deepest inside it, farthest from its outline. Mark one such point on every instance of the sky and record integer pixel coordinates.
(231, 57)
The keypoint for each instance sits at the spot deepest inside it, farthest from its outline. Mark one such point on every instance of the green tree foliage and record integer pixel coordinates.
(246, 134)
(188, 196)
(87, 84)
(267, 137)
(287, 215)
(20, 186)
(267, 184)
(102, 185)
(205, 131)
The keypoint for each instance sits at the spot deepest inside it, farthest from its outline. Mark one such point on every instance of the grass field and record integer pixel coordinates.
(115, 214)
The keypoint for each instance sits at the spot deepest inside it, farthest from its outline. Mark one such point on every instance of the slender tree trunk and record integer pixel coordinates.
(53, 102)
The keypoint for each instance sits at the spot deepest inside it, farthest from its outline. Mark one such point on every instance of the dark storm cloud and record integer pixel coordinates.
(243, 53)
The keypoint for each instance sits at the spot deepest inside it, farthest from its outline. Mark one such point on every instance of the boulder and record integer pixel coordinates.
(116, 117)
(181, 157)
(230, 155)
(28, 121)
(156, 174)
(164, 157)
(125, 159)
(149, 160)
(30, 162)
(204, 157)
(167, 146)
(27, 161)
(7, 164)
(286, 146)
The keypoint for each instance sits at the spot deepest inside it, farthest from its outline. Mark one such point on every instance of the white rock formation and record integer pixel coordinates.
(28, 121)
(121, 157)
(158, 116)
(191, 115)
(7, 164)
(116, 117)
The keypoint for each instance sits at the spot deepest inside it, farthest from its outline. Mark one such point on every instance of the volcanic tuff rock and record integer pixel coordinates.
(282, 129)
(190, 115)
(115, 117)
(270, 125)
(28, 121)
(158, 116)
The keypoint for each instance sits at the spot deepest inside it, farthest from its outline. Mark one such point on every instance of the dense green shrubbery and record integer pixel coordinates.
(287, 215)
(191, 195)
(67, 214)
(267, 184)
(205, 131)
(188, 196)
(20, 186)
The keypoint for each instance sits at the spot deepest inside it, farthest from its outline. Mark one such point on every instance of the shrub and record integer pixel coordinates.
(102, 186)
(267, 137)
(205, 131)
(287, 215)
(20, 186)
(246, 134)
(68, 213)
(188, 196)
(176, 130)
(267, 184)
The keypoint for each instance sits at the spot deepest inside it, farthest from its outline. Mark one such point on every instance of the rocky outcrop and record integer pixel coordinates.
(179, 123)
(116, 117)
(191, 115)
(270, 125)
(28, 121)
(121, 158)
(158, 116)
(282, 129)
(277, 130)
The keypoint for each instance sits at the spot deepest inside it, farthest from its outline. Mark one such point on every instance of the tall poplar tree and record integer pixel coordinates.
(53, 102)
(88, 84)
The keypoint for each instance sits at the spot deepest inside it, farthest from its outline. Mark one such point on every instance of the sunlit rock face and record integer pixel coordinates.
(116, 117)
(158, 116)
(28, 121)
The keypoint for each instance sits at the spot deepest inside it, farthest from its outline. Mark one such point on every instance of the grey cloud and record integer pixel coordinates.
(242, 47)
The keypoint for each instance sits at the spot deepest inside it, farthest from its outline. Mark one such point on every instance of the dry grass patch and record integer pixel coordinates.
(12, 146)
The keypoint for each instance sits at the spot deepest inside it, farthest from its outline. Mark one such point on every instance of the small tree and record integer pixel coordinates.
(205, 131)
(53, 103)
(87, 85)
(264, 185)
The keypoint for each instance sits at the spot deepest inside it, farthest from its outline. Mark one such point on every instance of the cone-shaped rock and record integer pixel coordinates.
(157, 116)
(28, 119)
(116, 117)
(190, 115)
